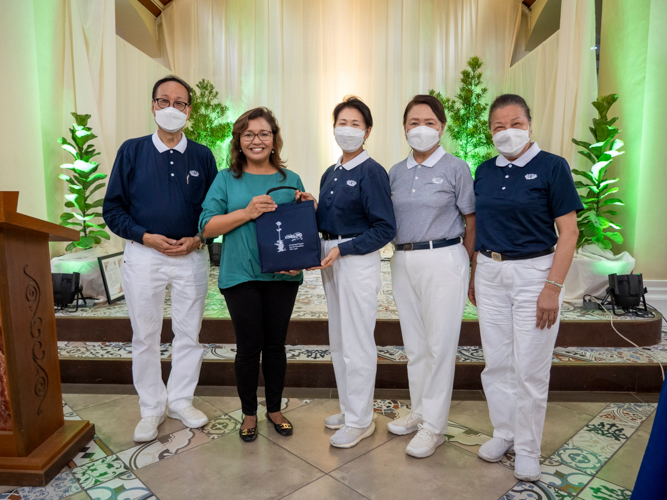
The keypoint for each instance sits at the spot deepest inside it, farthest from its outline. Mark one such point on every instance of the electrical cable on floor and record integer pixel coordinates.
(611, 319)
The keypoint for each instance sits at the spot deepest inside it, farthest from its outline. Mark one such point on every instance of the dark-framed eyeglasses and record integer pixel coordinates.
(264, 135)
(165, 103)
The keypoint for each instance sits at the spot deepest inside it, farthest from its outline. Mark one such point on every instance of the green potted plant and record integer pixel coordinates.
(83, 181)
(594, 259)
(467, 116)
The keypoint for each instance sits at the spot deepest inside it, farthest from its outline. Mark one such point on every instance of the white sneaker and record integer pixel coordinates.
(335, 422)
(347, 437)
(494, 449)
(190, 416)
(405, 425)
(527, 468)
(424, 443)
(146, 429)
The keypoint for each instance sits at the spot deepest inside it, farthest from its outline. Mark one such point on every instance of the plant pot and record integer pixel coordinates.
(590, 270)
(214, 252)
(85, 263)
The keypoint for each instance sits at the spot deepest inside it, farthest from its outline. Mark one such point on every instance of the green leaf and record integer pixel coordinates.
(101, 234)
(69, 204)
(611, 201)
(74, 189)
(97, 187)
(599, 221)
(95, 226)
(69, 149)
(614, 236)
(70, 247)
(84, 167)
(95, 204)
(82, 217)
(85, 242)
(66, 216)
(580, 185)
(591, 230)
(611, 191)
(585, 174)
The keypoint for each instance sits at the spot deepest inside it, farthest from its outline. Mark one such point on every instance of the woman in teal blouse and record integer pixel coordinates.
(260, 304)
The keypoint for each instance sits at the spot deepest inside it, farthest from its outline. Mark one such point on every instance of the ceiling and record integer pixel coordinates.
(156, 7)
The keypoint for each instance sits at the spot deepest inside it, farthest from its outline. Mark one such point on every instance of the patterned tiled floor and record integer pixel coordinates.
(101, 473)
(469, 354)
(311, 302)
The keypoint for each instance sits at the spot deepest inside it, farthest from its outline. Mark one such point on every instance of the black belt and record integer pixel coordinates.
(426, 245)
(499, 257)
(328, 236)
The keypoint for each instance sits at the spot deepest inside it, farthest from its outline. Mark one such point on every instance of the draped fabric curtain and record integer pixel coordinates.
(301, 57)
(558, 80)
(64, 56)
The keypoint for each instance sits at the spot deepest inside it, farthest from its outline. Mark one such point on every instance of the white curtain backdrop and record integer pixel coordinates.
(300, 58)
(558, 80)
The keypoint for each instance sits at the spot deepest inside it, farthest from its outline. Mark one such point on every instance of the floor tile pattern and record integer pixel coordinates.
(569, 473)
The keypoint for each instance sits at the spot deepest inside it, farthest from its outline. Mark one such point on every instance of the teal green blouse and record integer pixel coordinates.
(239, 261)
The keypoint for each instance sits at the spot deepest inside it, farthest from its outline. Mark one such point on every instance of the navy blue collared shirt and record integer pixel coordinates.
(355, 199)
(158, 192)
(517, 202)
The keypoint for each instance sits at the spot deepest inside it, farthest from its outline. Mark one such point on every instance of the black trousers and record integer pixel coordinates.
(260, 312)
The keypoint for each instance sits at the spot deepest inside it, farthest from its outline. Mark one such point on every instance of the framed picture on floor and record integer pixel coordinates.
(110, 268)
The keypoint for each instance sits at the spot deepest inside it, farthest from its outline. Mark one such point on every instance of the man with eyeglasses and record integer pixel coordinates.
(153, 201)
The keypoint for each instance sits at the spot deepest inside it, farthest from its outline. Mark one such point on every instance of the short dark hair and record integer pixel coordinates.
(351, 101)
(431, 101)
(172, 78)
(509, 100)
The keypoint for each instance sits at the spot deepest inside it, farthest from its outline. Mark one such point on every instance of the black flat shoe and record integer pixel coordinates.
(282, 429)
(248, 435)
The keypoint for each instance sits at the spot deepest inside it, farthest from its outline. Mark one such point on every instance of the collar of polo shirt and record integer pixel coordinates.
(180, 147)
(522, 160)
(357, 160)
(430, 161)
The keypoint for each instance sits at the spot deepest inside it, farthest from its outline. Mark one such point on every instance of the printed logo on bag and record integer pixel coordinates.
(295, 236)
(438, 180)
(280, 243)
(351, 183)
(530, 177)
(194, 173)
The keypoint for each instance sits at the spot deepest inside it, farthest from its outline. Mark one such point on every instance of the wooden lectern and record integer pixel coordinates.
(35, 440)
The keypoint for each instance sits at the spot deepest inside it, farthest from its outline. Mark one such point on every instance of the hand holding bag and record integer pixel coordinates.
(287, 238)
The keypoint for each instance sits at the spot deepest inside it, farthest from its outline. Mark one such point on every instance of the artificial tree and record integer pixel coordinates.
(207, 125)
(593, 221)
(467, 116)
(82, 183)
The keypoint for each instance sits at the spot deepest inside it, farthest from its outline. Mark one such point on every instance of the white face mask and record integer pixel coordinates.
(423, 138)
(170, 119)
(349, 139)
(511, 141)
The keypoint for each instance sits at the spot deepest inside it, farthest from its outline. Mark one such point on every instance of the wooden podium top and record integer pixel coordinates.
(9, 201)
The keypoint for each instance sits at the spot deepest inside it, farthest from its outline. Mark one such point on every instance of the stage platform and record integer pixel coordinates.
(95, 345)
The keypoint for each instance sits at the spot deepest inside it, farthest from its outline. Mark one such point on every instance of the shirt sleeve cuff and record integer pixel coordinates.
(137, 233)
(346, 248)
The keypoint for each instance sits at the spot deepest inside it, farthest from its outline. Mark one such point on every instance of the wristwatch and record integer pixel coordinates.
(202, 245)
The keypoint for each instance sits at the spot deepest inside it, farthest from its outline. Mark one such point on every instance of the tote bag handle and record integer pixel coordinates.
(283, 187)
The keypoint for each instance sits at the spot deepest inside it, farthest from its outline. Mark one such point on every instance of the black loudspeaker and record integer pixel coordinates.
(65, 288)
(626, 291)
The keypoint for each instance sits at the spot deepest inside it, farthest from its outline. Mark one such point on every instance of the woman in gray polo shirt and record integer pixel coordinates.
(434, 203)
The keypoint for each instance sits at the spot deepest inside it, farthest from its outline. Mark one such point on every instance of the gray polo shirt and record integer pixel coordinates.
(430, 198)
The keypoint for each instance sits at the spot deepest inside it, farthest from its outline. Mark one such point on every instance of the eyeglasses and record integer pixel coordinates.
(165, 103)
(248, 136)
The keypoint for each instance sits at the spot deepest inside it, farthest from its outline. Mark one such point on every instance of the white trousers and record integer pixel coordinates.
(430, 289)
(517, 353)
(146, 274)
(351, 286)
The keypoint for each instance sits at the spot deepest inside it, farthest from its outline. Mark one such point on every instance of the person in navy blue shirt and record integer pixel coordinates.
(154, 198)
(517, 279)
(355, 216)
